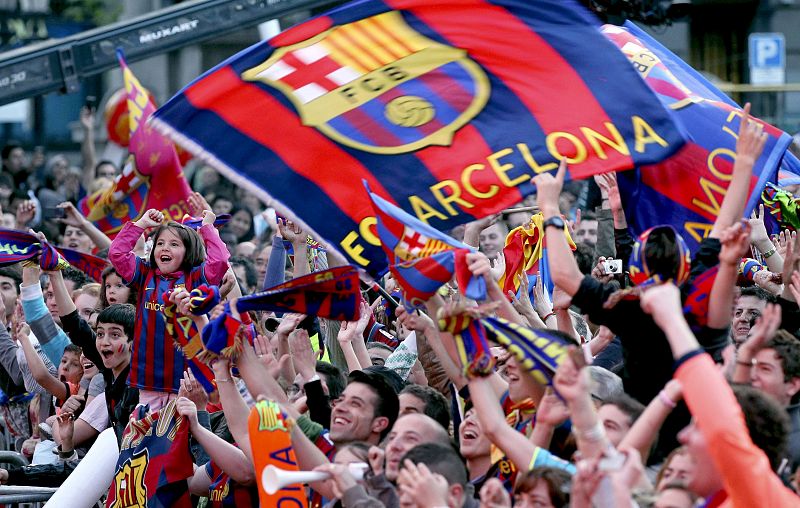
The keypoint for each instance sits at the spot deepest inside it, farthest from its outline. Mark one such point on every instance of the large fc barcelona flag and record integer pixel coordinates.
(687, 189)
(447, 109)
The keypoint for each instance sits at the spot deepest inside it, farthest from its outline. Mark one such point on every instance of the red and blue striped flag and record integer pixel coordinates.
(422, 259)
(686, 190)
(448, 109)
(152, 176)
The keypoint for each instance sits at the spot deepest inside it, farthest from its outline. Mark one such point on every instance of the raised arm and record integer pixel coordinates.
(749, 146)
(72, 217)
(51, 338)
(229, 458)
(40, 373)
(761, 241)
(121, 252)
(572, 384)
(297, 237)
(744, 468)
(563, 267)
(87, 146)
(644, 431)
(217, 253)
(735, 244)
(233, 405)
(522, 452)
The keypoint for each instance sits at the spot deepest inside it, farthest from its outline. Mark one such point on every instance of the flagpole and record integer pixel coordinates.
(385, 294)
(522, 209)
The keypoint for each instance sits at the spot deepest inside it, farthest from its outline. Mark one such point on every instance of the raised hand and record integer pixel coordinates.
(759, 236)
(479, 265)
(769, 281)
(735, 242)
(551, 410)
(751, 139)
(291, 232)
(418, 321)
(87, 118)
(571, 382)
(197, 204)
(302, 354)
(26, 210)
(498, 266)
(208, 217)
(66, 429)
(522, 304)
(663, 302)
(376, 460)
(561, 300)
(782, 240)
(609, 188)
(425, 488)
(193, 390)
(766, 325)
(151, 218)
(289, 323)
(548, 188)
(72, 217)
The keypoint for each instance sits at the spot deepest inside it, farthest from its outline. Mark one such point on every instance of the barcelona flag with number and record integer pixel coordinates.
(687, 189)
(448, 109)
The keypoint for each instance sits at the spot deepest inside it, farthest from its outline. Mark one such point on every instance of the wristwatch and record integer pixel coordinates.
(556, 221)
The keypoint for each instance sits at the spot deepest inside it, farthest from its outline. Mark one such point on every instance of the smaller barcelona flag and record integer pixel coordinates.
(421, 258)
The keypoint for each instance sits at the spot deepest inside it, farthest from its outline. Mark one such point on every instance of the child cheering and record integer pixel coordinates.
(178, 259)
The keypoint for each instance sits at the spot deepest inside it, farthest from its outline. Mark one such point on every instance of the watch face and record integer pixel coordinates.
(555, 221)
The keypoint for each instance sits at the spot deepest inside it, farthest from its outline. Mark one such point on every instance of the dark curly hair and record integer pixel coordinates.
(767, 422)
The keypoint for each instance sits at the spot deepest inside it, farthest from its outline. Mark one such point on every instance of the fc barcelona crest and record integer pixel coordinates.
(377, 85)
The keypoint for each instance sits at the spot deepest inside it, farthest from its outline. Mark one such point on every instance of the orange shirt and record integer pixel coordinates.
(747, 476)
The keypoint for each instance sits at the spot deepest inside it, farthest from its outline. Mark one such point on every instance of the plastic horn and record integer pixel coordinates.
(274, 479)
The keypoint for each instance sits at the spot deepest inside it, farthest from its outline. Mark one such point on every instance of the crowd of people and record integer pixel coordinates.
(664, 398)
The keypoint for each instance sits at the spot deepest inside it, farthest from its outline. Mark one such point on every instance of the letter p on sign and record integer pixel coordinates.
(767, 58)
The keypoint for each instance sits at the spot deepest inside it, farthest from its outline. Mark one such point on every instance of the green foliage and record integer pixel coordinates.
(97, 12)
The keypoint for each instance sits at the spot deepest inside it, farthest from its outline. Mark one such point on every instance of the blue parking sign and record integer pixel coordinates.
(767, 58)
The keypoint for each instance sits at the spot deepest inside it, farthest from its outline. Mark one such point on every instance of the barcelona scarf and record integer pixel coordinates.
(154, 461)
(196, 222)
(539, 352)
(17, 246)
(686, 190)
(438, 105)
(748, 268)
(188, 340)
(225, 336)
(421, 258)
(473, 347)
(270, 439)
(92, 266)
(152, 176)
(524, 250)
(331, 294)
